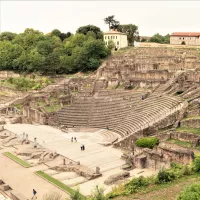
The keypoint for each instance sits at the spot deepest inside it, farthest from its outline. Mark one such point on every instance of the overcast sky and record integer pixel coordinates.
(150, 16)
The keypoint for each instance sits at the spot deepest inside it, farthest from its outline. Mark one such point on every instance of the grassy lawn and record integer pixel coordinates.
(192, 117)
(189, 130)
(16, 159)
(180, 143)
(167, 191)
(53, 108)
(57, 183)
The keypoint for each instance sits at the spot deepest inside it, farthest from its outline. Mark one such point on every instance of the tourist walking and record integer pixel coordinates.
(34, 194)
(75, 139)
(72, 139)
(83, 147)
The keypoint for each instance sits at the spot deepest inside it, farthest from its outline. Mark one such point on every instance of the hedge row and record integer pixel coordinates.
(147, 142)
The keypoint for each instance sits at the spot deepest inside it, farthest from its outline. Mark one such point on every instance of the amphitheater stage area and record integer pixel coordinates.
(95, 154)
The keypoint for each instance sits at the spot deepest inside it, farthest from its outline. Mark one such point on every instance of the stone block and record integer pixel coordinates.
(116, 177)
(17, 196)
(4, 187)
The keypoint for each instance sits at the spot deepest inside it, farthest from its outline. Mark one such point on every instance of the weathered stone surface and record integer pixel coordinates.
(191, 123)
(79, 169)
(127, 167)
(116, 177)
(186, 137)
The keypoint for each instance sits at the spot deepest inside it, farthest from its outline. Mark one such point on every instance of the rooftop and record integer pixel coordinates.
(114, 32)
(186, 34)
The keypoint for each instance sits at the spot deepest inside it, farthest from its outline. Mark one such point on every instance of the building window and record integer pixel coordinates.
(183, 38)
(116, 37)
(108, 37)
(117, 42)
(111, 37)
(180, 38)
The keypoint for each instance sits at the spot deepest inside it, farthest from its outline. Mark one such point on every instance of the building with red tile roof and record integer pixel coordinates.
(185, 38)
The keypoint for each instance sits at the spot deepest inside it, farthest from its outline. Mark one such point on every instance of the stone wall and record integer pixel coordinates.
(185, 137)
(8, 74)
(176, 153)
(161, 156)
(33, 115)
(191, 123)
(148, 65)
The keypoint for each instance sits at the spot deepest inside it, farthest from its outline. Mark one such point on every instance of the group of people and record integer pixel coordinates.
(73, 139)
(82, 147)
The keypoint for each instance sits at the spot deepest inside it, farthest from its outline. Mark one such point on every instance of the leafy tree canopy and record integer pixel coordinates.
(91, 29)
(55, 53)
(7, 36)
(157, 38)
(132, 32)
(112, 23)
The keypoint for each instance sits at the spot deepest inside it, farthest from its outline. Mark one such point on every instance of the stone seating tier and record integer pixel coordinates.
(120, 115)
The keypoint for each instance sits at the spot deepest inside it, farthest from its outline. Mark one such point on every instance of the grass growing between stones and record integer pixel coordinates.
(189, 130)
(192, 117)
(59, 184)
(52, 108)
(16, 159)
(181, 143)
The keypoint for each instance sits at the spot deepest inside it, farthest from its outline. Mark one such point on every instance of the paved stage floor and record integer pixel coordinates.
(106, 158)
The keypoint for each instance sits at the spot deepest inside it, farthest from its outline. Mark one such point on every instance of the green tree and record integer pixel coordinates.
(132, 32)
(51, 63)
(112, 23)
(9, 54)
(61, 35)
(64, 36)
(157, 38)
(111, 45)
(92, 29)
(56, 32)
(32, 51)
(143, 40)
(167, 39)
(7, 36)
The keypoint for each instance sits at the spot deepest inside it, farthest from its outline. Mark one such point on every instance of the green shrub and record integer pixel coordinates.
(165, 176)
(98, 194)
(190, 193)
(136, 184)
(76, 195)
(187, 170)
(196, 164)
(147, 142)
(116, 191)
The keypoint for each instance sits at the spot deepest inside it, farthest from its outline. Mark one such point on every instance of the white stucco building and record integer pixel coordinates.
(120, 39)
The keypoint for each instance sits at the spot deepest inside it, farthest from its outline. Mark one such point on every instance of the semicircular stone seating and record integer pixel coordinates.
(119, 111)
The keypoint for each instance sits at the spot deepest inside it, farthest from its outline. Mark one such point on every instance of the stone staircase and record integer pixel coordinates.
(164, 87)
